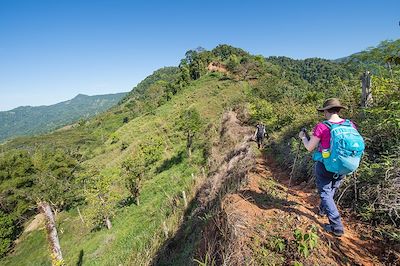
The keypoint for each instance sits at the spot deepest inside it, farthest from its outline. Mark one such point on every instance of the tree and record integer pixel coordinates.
(54, 178)
(185, 72)
(7, 232)
(233, 63)
(196, 60)
(190, 123)
(100, 197)
(52, 235)
(16, 179)
(134, 168)
(53, 191)
(224, 51)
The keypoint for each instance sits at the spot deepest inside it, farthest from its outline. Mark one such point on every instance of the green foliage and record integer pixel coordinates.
(278, 244)
(306, 242)
(7, 232)
(233, 63)
(208, 261)
(196, 62)
(134, 168)
(287, 100)
(379, 60)
(283, 93)
(54, 178)
(224, 52)
(262, 110)
(271, 253)
(114, 138)
(101, 198)
(27, 178)
(149, 151)
(315, 71)
(166, 74)
(133, 171)
(15, 164)
(190, 123)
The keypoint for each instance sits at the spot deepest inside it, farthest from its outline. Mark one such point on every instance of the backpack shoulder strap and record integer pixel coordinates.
(328, 124)
(347, 122)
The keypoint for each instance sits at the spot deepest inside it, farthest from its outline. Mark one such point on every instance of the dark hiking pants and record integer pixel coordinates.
(260, 141)
(327, 186)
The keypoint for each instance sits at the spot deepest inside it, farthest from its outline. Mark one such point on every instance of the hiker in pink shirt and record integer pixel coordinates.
(326, 181)
(322, 132)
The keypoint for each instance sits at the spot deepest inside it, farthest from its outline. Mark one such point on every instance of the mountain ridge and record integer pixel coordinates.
(30, 120)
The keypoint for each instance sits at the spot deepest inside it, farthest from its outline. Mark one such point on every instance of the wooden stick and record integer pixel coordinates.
(80, 215)
(165, 229)
(184, 199)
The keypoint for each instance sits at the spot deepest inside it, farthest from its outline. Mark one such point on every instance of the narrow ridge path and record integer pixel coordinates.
(263, 210)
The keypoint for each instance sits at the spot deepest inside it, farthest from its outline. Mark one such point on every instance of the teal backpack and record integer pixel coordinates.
(346, 149)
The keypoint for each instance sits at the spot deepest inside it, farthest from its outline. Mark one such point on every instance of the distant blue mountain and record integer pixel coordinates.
(28, 120)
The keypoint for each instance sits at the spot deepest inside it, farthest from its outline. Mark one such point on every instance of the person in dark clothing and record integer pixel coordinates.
(260, 134)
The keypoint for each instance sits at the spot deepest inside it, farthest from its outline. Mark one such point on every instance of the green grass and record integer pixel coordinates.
(137, 231)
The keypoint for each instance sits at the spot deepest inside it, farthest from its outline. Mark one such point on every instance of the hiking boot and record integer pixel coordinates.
(328, 228)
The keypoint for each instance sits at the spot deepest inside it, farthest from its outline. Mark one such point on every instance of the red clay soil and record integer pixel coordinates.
(273, 214)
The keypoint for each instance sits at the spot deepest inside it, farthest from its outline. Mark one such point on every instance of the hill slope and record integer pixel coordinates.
(28, 120)
(160, 166)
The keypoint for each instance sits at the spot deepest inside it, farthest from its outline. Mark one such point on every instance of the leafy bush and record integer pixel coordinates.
(306, 242)
(7, 232)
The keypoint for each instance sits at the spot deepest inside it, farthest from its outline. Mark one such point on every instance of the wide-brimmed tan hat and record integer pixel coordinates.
(331, 103)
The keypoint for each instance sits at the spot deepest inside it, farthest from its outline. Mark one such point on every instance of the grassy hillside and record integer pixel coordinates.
(139, 151)
(28, 120)
(138, 229)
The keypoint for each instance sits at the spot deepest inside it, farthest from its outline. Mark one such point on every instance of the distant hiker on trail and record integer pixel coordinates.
(260, 134)
(333, 158)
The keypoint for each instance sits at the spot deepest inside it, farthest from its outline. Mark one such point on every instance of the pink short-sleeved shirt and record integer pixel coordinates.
(322, 132)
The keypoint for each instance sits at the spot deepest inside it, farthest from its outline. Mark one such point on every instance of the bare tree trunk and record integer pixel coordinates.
(390, 69)
(52, 236)
(189, 144)
(106, 218)
(184, 199)
(137, 201)
(165, 229)
(366, 92)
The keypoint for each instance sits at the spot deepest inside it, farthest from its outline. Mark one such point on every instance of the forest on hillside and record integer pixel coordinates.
(114, 164)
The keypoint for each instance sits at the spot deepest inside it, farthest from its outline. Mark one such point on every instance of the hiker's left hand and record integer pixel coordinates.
(302, 134)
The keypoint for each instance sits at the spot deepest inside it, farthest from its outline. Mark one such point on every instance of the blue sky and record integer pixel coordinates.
(52, 50)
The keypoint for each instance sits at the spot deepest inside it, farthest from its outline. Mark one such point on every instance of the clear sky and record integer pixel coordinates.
(52, 50)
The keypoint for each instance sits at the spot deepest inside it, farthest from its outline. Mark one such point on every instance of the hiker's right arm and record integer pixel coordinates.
(309, 144)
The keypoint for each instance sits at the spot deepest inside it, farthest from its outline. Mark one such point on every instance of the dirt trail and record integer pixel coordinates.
(262, 203)
(242, 210)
